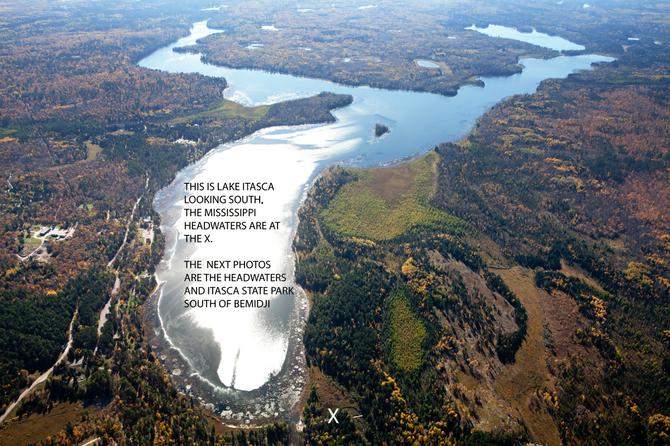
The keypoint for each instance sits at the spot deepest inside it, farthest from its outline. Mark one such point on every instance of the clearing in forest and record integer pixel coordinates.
(384, 203)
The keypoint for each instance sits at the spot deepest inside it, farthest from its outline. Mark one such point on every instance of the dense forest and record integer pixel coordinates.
(379, 325)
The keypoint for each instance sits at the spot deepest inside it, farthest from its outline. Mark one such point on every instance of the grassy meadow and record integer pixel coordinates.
(384, 203)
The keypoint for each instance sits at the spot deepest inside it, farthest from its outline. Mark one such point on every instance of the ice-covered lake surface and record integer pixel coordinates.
(249, 357)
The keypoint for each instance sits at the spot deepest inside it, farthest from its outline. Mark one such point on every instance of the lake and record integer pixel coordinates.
(252, 361)
(534, 37)
(423, 63)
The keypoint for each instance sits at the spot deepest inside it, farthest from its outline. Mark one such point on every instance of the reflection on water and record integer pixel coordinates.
(244, 348)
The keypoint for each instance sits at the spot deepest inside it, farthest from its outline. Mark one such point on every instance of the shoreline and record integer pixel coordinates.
(227, 403)
(271, 402)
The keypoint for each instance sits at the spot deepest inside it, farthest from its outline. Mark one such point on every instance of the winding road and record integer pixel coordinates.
(44, 376)
(101, 320)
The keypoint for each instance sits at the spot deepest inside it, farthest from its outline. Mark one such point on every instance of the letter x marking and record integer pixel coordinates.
(332, 415)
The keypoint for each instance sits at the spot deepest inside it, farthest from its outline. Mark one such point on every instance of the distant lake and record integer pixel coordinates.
(423, 63)
(536, 38)
(259, 352)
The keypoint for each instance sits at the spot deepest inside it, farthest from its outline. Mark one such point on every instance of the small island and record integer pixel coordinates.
(381, 129)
